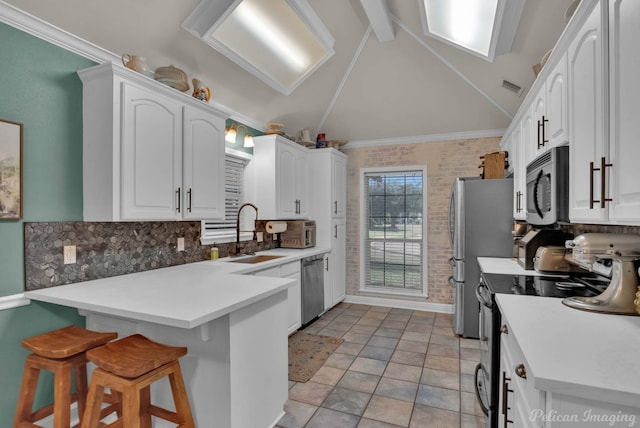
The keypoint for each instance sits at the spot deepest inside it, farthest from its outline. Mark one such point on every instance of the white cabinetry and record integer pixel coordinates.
(624, 148)
(329, 166)
(282, 177)
(294, 293)
(604, 92)
(149, 152)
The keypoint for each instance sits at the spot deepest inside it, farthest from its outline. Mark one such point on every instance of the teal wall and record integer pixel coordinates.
(39, 88)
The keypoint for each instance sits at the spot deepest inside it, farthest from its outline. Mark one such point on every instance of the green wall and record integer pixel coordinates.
(39, 88)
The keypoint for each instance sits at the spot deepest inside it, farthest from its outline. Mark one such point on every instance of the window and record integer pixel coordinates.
(225, 230)
(394, 230)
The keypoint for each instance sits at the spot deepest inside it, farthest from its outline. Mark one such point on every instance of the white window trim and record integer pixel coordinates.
(363, 233)
(227, 235)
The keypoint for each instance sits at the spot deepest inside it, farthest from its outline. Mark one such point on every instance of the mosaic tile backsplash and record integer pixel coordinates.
(110, 249)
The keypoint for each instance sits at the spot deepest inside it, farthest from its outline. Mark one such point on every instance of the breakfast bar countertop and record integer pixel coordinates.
(183, 296)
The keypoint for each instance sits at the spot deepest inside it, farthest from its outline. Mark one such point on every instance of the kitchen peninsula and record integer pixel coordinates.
(234, 325)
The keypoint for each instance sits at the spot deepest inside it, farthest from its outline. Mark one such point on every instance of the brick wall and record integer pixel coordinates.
(445, 161)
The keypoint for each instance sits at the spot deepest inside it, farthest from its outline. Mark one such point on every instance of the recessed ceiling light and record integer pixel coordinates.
(484, 28)
(279, 41)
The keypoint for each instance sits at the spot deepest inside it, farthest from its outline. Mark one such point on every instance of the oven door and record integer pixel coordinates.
(483, 371)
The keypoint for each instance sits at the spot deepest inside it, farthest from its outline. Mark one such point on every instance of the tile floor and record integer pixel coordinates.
(396, 368)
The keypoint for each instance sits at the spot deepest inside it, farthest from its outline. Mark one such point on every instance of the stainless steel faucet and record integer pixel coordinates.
(238, 224)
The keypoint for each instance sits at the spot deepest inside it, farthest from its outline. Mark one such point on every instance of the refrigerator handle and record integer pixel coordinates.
(451, 217)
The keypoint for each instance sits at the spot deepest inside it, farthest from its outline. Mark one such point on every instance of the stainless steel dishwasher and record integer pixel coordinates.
(312, 287)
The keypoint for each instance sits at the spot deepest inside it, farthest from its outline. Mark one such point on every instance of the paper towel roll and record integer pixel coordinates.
(276, 226)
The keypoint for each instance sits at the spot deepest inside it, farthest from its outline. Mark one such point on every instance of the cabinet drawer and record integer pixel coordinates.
(527, 397)
(289, 268)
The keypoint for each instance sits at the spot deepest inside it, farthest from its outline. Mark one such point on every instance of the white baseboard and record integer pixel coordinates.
(13, 301)
(399, 303)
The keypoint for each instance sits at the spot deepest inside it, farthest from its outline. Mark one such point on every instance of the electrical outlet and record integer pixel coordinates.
(259, 236)
(180, 244)
(69, 254)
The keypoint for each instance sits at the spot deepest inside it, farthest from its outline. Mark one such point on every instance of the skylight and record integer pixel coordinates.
(484, 28)
(279, 41)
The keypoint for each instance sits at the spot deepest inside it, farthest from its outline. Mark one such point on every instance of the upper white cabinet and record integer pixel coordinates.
(149, 152)
(586, 71)
(604, 152)
(282, 177)
(624, 148)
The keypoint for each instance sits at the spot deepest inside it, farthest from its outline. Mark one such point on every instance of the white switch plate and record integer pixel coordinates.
(69, 254)
(259, 236)
(180, 244)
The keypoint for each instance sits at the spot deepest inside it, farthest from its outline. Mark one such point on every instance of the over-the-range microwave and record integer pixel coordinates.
(548, 187)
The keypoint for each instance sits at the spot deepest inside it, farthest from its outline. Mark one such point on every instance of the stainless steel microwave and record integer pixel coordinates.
(548, 187)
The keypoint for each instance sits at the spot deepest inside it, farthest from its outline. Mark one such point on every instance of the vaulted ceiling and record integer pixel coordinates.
(409, 87)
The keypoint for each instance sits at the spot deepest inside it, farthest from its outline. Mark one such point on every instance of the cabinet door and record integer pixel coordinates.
(540, 134)
(203, 166)
(294, 303)
(339, 253)
(528, 144)
(339, 186)
(287, 203)
(519, 175)
(624, 148)
(587, 122)
(556, 99)
(150, 155)
(302, 184)
(328, 281)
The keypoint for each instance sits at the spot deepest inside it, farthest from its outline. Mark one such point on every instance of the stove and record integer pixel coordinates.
(561, 286)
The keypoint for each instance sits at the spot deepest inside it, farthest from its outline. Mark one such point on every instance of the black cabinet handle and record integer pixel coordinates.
(189, 200)
(178, 197)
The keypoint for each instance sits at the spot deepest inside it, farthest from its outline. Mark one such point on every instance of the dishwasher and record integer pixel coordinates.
(312, 282)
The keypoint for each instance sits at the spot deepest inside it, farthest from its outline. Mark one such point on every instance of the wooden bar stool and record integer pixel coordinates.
(63, 353)
(128, 367)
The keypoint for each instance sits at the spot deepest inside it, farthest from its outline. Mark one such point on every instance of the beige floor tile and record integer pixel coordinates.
(369, 321)
(469, 343)
(468, 367)
(398, 389)
(444, 340)
(433, 417)
(415, 336)
(441, 398)
(384, 309)
(363, 329)
(409, 345)
(469, 404)
(324, 418)
(350, 348)
(339, 361)
(440, 378)
(347, 400)
(443, 331)
(297, 414)
(329, 332)
(328, 375)
(470, 354)
(419, 328)
(444, 350)
(357, 381)
(467, 383)
(356, 337)
(383, 342)
(442, 363)
(389, 332)
(389, 410)
(372, 423)
(368, 365)
(394, 324)
(408, 357)
(403, 372)
(310, 392)
(375, 315)
(470, 421)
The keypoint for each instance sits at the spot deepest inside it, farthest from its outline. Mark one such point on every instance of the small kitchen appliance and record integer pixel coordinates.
(299, 234)
(551, 259)
(548, 187)
(614, 255)
(535, 238)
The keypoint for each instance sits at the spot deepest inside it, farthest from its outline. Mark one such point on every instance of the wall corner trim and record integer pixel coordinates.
(13, 301)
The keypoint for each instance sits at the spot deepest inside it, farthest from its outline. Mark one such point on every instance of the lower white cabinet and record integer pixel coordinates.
(522, 405)
(294, 293)
(335, 266)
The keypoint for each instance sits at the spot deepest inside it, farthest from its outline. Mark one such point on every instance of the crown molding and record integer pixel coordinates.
(432, 138)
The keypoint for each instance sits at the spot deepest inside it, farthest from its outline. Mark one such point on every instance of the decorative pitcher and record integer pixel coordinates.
(200, 90)
(136, 63)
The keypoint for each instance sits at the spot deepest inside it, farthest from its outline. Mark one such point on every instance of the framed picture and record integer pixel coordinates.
(10, 170)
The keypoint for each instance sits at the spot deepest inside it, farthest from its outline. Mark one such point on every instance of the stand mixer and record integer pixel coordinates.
(619, 296)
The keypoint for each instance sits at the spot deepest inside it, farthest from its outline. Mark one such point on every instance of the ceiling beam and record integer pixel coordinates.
(380, 18)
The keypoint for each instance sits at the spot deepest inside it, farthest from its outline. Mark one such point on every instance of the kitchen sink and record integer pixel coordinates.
(255, 259)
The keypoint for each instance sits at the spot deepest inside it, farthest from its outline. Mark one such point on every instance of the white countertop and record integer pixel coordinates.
(182, 296)
(574, 352)
(505, 266)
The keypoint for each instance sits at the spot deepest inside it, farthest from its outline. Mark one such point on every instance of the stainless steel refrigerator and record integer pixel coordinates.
(480, 225)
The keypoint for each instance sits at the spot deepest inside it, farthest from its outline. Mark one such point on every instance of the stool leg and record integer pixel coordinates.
(62, 396)
(24, 406)
(145, 405)
(81, 387)
(180, 398)
(131, 410)
(91, 416)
